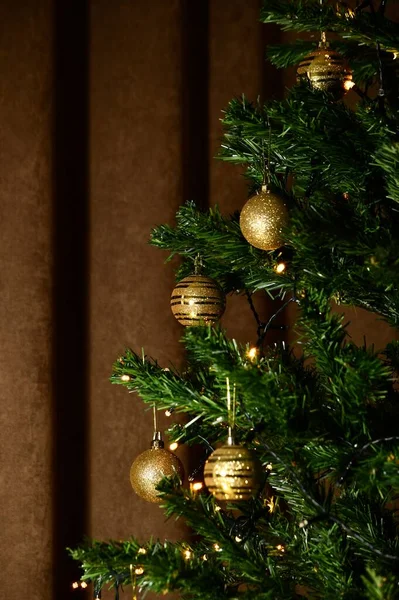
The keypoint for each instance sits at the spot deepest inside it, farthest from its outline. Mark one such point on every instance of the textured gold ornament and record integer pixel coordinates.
(151, 466)
(327, 70)
(233, 473)
(263, 218)
(197, 300)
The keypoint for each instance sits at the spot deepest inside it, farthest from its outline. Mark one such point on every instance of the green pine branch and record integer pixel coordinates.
(362, 27)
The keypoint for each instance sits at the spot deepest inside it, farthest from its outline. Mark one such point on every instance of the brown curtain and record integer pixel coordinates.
(109, 121)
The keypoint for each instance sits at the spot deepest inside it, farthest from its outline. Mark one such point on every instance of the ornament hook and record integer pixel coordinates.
(157, 441)
(266, 161)
(231, 412)
(198, 265)
(133, 578)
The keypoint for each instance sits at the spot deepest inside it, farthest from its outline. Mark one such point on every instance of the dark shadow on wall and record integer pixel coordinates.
(70, 294)
(195, 102)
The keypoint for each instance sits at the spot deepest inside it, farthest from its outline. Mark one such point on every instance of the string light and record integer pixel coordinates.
(217, 548)
(139, 570)
(168, 412)
(271, 505)
(125, 377)
(218, 420)
(303, 523)
(196, 486)
(217, 508)
(204, 557)
(187, 554)
(75, 585)
(141, 551)
(269, 467)
(252, 352)
(348, 85)
(83, 585)
(280, 548)
(173, 446)
(280, 267)
(238, 539)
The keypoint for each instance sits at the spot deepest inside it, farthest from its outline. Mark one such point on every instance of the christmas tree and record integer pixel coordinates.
(300, 445)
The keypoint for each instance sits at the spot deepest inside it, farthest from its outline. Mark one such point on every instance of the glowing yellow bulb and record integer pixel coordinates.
(196, 486)
(271, 505)
(217, 508)
(125, 377)
(348, 85)
(280, 548)
(83, 585)
(280, 267)
(142, 551)
(187, 554)
(303, 523)
(75, 585)
(168, 413)
(173, 446)
(217, 548)
(252, 352)
(269, 467)
(204, 557)
(238, 539)
(139, 571)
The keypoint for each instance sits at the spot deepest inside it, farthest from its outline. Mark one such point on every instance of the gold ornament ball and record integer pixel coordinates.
(233, 473)
(263, 218)
(149, 468)
(327, 70)
(197, 300)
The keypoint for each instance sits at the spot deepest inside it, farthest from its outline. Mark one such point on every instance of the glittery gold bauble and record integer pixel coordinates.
(233, 473)
(263, 218)
(149, 468)
(327, 70)
(197, 300)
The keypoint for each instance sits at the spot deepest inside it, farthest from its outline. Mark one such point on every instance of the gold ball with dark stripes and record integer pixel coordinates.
(233, 473)
(197, 300)
(327, 70)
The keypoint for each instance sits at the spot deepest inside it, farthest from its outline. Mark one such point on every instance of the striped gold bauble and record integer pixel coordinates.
(326, 70)
(197, 300)
(233, 473)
